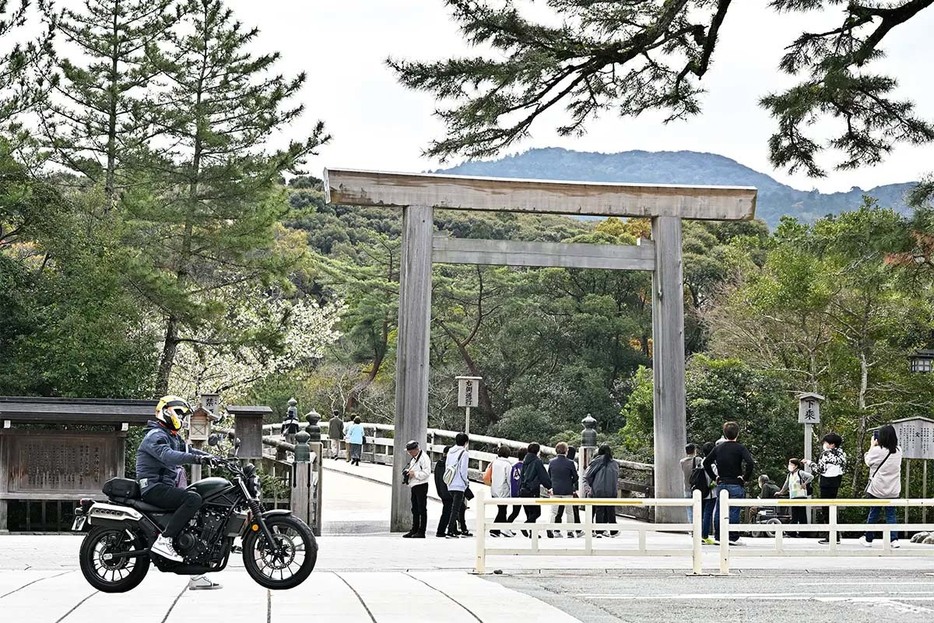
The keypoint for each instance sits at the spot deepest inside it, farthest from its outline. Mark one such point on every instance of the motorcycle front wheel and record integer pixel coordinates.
(288, 561)
(106, 573)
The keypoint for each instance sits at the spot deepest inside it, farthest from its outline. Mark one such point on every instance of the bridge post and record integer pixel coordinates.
(411, 417)
(668, 364)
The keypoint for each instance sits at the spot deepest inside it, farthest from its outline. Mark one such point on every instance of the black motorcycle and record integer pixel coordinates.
(279, 550)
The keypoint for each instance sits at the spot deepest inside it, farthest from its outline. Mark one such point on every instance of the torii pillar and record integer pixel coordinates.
(666, 206)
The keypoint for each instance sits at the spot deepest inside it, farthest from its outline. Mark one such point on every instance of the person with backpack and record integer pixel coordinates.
(455, 478)
(884, 460)
(796, 488)
(534, 478)
(708, 500)
(688, 465)
(500, 472)
(515, 484)
(443, 494)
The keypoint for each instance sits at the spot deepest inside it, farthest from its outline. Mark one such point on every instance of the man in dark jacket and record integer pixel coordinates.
(734, 468)
(534, 478)
(564, 477)
(160, 455)
(335, 433)
(444, 494)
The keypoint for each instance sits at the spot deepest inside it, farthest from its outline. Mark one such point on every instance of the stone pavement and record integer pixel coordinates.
(366, 574)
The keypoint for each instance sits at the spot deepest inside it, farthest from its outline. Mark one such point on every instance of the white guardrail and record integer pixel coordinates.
(695, 551)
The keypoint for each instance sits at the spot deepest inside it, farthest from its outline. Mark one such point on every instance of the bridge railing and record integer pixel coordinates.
(636, 480)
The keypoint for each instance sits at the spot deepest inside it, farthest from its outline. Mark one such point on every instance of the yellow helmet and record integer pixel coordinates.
(171, 410)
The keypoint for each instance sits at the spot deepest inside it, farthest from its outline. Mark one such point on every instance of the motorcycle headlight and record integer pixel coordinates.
(255, 486)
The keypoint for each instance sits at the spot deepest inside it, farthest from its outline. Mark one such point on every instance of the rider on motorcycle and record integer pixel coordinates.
(160, 455)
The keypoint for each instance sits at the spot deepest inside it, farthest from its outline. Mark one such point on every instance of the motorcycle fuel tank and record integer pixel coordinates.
(208, 487)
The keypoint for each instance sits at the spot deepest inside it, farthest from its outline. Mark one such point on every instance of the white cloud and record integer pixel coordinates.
(378, 124)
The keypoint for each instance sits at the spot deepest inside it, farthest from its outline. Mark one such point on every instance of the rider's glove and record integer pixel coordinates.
(206, 459)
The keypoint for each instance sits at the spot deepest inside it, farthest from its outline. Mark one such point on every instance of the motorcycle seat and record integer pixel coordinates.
(143, 507)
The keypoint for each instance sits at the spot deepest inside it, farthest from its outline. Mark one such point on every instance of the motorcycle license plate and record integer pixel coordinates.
(78, 525)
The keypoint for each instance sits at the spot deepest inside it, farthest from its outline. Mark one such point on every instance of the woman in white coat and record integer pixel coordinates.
(500, 487)
(884, 460)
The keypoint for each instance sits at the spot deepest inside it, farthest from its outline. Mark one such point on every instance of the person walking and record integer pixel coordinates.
(734, 466)
(355, 437)
(456, 465)
(796, 488)
(347, 426)
(830, 466)
(563, 474)
(688, 463)
(710, 500)
(603, 478)
(515, 483)
(572, 455)
(335, 433)
(534, 478)
(416, 476)
(500, 487)
(884, 459)
(442, 489)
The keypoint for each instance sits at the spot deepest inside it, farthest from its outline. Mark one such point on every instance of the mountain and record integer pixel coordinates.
(682, 167)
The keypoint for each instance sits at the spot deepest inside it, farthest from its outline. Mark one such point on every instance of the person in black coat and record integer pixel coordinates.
(442, 490)
(534, 478)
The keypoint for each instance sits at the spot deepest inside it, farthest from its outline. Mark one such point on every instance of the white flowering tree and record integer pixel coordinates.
(259, 336)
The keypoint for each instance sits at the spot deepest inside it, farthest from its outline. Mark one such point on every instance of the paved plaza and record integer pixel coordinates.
(370, 575)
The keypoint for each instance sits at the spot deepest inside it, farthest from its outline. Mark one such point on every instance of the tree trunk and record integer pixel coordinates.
(169, 349)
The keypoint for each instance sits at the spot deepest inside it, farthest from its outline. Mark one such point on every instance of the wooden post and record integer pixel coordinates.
(317, 486)
(299, 501)
(411, 417)
(668, 363)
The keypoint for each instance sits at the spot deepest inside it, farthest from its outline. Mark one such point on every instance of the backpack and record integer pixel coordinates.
(515, 479)
(699, 480)
(451, 470)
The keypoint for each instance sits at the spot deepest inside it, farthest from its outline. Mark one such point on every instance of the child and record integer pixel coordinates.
(796, 487)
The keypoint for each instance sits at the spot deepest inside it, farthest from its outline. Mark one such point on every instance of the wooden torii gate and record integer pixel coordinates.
(419, 194)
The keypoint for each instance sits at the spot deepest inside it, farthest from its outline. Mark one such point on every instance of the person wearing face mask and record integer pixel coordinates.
(830, 466)
(796, 487)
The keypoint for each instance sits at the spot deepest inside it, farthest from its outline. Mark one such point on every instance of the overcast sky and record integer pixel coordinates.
(378, 124)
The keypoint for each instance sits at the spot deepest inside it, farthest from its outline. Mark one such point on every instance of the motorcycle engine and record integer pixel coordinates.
(197, 540)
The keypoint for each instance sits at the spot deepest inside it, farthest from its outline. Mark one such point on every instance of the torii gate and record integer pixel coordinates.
(418, 194)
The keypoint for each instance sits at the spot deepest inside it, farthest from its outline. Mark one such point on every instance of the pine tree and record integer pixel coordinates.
(651, 55)
(22, 64)
(208, 231)
(98, 120)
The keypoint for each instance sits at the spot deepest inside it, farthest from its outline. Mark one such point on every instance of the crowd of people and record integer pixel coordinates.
(727, 465)
(721, 465)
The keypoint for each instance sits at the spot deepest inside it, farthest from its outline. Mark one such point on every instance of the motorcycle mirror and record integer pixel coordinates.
(214, 439)
(237, 446)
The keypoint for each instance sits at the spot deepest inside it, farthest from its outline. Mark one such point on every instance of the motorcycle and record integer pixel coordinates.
(279, 550)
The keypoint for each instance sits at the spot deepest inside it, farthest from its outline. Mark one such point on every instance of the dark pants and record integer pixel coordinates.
(420, 509)
(707, 506)
(799, 515)
(532, 511)
(501, 511)
(828, 493)
(445, 515)
(605, 514)
(457, 503)
(514, 514)
(184, 503)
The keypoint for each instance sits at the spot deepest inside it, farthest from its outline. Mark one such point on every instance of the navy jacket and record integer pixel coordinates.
(563, 474)
(159, 456)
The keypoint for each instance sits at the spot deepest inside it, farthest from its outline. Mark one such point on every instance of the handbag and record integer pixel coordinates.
(488, 475)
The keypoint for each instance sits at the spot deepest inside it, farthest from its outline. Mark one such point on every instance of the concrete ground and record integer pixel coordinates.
(365, 574)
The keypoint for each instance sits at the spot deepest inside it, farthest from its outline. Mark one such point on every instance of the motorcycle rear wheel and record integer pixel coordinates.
(112, 575)
(294, 561)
